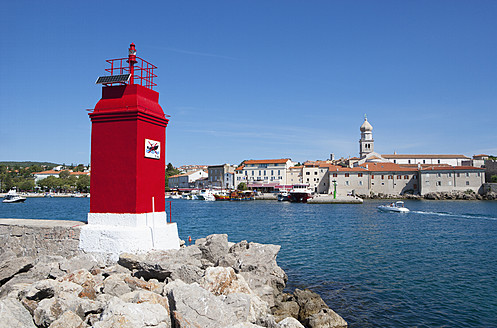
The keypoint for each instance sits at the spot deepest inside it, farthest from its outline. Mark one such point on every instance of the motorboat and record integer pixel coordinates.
(13, 197)
(206, 194)
(283, 196)
(299, 193)
(394, 207)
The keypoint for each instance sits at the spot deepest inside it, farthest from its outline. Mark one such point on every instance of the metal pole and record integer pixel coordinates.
(170, 213)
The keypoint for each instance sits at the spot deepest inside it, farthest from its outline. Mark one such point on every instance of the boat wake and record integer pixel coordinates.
(463, 215)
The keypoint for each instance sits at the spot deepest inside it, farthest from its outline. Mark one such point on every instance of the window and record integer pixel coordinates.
(467, 174)
(449, 174)
(346, 183)
(307, 179)
(408, 161)
(382, 177)
(334, 175)
(478, 173)
(307, 173)
(439, 183)
(439, 175)
(315, 172)
(424, 161)
(458, 174)
(372, 176)
(346, 175)
(399, 177)
(360, 183)
(467, 183)
(390, 177)
(359, 175)
(260, 172)
(252, 172)
(264, 172)
(406, 177)
(279, 172)
(395, 161)
(272, 172)
(438, 161)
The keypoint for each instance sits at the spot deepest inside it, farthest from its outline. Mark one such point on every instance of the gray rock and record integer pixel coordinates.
(144, 296)
(115, 285)
(250, 308)
(309, 302)
(78, 262)
(11, 266)
(68, 319)
(184, 264)
(285, 306)
(117, 313)
(13, 314)
(260, 259)
(224, 281)
(213, 247)
(50, 309)
(326, 318)
(193, 306)
(290, 322)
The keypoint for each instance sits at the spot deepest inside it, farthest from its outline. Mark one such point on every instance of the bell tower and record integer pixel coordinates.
(128, 140)
(366, 143)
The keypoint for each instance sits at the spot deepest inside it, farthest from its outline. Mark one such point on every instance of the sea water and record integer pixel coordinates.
(433, 267)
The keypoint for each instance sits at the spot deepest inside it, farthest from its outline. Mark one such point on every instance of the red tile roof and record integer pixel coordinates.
(267, 161)
(405, 156)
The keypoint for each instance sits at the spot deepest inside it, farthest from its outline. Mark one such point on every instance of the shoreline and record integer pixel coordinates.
(241, 283)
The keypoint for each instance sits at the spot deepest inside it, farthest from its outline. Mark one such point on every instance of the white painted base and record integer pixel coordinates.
(117, 233)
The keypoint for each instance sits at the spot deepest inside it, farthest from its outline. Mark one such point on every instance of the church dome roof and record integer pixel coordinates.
(366, 126)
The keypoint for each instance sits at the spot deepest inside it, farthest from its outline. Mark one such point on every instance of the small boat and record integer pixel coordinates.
(222, 195)
(283, 196)
(242, 195)
(206, 194)
(13, 197)
(300, 193)
(394, 207)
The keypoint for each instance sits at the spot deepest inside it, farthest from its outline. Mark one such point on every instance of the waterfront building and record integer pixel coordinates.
(315, 175)
(186, 180)
(263, 174)
(294, 175)
(451, 178)
(218, 175)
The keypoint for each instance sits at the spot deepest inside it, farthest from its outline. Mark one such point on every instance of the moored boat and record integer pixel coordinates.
(206, 194)
(394, 207)
(283, 196)
(300, 193)
(13, 197)
(242, 195)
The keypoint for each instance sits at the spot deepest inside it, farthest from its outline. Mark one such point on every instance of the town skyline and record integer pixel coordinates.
(258, 80)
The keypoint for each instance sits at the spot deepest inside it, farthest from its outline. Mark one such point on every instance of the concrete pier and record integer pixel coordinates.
(328, 199)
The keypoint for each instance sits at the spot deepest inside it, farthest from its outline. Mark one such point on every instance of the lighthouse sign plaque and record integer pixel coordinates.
(152, 149)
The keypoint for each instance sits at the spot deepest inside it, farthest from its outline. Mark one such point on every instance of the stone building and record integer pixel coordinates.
(218, 175)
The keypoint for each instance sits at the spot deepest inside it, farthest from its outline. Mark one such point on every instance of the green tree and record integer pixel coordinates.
(83, 184)
(64, 174)
(242, 186)
(493, 179)
(26, 185)
(170, 171)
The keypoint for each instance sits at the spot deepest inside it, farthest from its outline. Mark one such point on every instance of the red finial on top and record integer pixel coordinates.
(132, 62)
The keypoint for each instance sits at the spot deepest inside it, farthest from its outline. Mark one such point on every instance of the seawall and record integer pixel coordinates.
(27, 237)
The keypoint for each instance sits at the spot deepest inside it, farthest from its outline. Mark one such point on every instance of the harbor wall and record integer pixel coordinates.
(26, 237)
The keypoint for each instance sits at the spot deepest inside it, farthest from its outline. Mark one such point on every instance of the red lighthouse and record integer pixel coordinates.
(128, 163)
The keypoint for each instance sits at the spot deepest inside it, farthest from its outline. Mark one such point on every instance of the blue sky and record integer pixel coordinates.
(256, 79)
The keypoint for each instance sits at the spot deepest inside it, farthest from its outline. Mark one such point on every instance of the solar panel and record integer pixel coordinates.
(113, 79)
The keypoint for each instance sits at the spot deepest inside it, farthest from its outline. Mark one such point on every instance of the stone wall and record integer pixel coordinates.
(490, 169)
(39, 237)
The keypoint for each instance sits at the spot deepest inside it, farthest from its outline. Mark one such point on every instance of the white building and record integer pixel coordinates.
(186, 180)
(263, 174)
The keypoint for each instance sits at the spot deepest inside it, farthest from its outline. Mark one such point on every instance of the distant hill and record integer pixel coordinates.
(27, 163)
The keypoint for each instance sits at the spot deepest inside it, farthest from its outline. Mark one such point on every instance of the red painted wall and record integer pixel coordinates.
(123, 180)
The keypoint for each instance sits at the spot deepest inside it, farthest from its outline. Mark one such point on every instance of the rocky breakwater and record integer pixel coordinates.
(213, 283)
